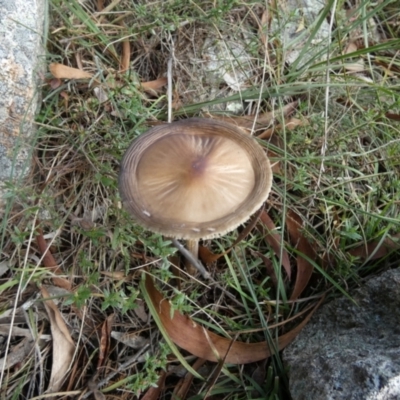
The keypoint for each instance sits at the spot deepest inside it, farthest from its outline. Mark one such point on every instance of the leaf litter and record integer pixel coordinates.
(219, 342)
(63, 345)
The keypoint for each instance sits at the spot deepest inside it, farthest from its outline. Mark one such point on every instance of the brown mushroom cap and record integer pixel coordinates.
(192, 179)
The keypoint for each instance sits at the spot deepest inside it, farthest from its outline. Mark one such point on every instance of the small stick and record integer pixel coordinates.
(191, 258)
(169, 90)
(121, 368)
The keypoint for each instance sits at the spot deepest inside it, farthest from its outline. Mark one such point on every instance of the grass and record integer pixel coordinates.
(338, 169)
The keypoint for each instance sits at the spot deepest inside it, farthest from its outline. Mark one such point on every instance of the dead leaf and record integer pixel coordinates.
(212, 379)
(290, 124)
(208, 257)
(293, 123)
(18, 353)
(150, 86)
(346, 101)
(245, 122)
(48, 259)
(275, 241)
(130, 339)
(116, 275)
(264, 25)
(304, 267)
(351, 47)
(259, 376)
(390, 68)
(65, 102)
(176, 100)
(126, 55)
(4, 267)
(394, 117)
(61, 71)
(100, 5)
(357, 66)
(140, 310)
(50, 262)
(63, 345)
(78, 59)
(181, 389)
(268, 133)
(192, 337)
(154, 392)
(275, 162)
(65, 96)
(55, 83)
(377, 248)
(268, 266)
(98, 395)
(100, 94)
(301, 26)
(92, 386)
(260, 121)
(15, 331)
(85, 223)
(105, 340)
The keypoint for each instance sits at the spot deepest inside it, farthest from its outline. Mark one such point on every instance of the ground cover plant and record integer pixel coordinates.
(320, 93)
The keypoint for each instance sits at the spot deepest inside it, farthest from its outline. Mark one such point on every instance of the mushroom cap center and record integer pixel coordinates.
(198, 166)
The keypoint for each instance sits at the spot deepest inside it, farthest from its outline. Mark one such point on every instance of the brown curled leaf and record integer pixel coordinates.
(197, 340)
(150, 86)
(63, 345)
(61, 71)
(50, 262)
(274, 239)
(377, 248)
(305, 252)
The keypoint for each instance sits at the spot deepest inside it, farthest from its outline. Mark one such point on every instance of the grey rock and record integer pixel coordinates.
(22, 60)
(348, 351)
(294, 39)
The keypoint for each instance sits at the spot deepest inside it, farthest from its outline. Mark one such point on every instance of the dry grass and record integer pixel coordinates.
(347, 197)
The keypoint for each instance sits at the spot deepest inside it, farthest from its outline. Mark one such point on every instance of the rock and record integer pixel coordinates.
(227, 61)
(295, 26)
(348, 351)
(22, 59)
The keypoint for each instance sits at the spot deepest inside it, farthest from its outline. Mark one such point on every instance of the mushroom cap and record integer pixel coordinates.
(195, 178)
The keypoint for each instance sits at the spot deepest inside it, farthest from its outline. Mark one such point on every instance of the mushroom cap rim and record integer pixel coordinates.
(220, 226)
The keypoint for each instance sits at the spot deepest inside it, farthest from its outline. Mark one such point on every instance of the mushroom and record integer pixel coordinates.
(194, 179)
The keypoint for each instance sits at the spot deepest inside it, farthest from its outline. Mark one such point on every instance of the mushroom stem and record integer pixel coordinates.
(192, 263)
(193, 246)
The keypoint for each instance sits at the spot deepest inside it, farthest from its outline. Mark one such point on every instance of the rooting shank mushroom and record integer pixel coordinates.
(194, 179)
